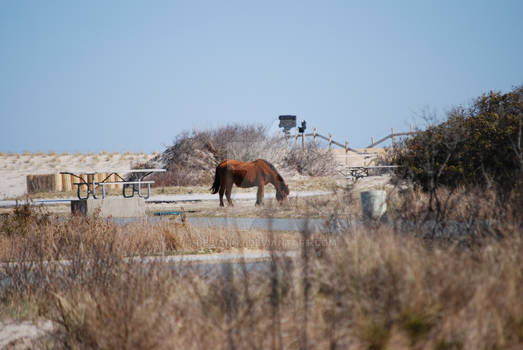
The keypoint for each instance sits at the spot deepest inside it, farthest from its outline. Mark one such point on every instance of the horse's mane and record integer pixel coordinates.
(273, 169)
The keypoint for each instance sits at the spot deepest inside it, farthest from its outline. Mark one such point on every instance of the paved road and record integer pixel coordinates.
(218, 258)
(172, 198)
(192, 258)
(206, 264)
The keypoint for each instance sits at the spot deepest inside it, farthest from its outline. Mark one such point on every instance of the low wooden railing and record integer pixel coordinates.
(315, 135)
(391, 136)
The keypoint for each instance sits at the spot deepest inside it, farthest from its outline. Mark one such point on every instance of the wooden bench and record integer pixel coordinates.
(358, 172)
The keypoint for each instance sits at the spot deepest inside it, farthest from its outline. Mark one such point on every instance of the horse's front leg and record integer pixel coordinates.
(259, 195)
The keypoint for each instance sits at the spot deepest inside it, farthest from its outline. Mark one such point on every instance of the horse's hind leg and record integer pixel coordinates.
(222, 190)
(228, 191)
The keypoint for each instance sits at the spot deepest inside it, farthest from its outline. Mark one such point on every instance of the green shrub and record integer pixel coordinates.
(480, 145)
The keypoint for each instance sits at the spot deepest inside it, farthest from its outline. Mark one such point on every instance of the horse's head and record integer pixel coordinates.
(282, 191)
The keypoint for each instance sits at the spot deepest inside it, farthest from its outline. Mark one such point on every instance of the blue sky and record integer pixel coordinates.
(131, 75)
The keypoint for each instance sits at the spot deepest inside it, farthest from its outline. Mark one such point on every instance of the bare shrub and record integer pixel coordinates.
(125, 309)
(310, 161)
(463, 214)
(193, 157)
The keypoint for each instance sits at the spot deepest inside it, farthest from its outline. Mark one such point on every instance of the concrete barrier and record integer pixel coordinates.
(373, 204)
(117, 207)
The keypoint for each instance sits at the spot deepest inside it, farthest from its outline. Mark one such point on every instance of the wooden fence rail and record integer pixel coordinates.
(391, 136)
(345, 146)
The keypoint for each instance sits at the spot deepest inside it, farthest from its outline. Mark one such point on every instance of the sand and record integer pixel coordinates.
(22, 334)
(15, 167)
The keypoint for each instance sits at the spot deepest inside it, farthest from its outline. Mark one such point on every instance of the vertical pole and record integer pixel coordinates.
(392, 136)
(93, 191)
(372, 141)
(296, 136)
(303, 141)
(314, 136)
(330, 141)
(411, 128)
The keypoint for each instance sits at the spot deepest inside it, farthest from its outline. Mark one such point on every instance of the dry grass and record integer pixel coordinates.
(368, 287)
(55, 238)
(366, 292)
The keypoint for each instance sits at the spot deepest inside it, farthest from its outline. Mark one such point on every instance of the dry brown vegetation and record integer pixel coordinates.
(192, 158)
(375, 286)
(33, 235)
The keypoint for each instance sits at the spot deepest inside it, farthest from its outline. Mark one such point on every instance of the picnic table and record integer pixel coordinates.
(88, 179)
(363, 171)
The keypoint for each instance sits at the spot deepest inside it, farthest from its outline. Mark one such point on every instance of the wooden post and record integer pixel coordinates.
(303, 141)
(372, 141)
(296, 136)
(392, 136)
(330, 141)
(83, 178)
(347, 153)
(58, 182)
(113, 178)
(314, 136)
(67, 183)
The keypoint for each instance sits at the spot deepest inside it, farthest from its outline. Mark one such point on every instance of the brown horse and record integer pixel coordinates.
(248, 174)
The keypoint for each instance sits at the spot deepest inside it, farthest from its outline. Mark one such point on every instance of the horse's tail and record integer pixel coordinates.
(216, 184)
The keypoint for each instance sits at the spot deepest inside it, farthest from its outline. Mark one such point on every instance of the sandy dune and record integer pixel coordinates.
(364, 157)
(15, 167)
